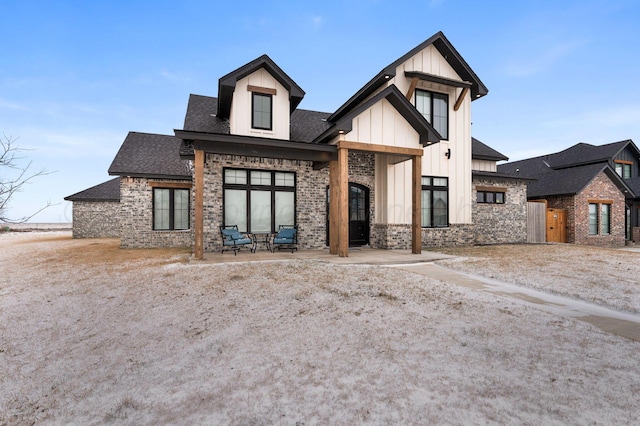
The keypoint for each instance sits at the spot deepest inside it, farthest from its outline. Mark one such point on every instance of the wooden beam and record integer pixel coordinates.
(464, 92)
(334, 210)
(412, 88)
(380, 149)
(178, 185)
(343, 202)
(263, 90)
(416, 205)
(199, 205)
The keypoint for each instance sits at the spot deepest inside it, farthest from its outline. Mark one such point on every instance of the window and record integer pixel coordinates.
(593, 219)
(170, 209)
(261, 117)
(623, 170)
(435, 108)
(435, 202)
(599, 219)
(605, 219)
(490, 197)
(259, 200)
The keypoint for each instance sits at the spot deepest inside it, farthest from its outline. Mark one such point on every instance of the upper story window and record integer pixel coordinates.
(261, 111)
(435, 108)
(623, 169)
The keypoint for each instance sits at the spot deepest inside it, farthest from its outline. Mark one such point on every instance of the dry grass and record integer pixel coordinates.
(609, 277)
(95, 335)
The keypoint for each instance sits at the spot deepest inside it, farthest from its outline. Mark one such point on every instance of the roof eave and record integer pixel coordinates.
(428, 135)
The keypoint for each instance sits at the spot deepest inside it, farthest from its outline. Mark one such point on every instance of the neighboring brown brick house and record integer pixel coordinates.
(393, 167)
(597, 186)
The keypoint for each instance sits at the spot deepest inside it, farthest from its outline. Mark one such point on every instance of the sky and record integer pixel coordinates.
(77, 76)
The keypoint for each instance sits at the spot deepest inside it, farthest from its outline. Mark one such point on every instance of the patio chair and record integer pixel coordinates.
(287, 237)
(232, 239)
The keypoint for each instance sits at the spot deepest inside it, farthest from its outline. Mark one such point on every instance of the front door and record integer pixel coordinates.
(358, 215)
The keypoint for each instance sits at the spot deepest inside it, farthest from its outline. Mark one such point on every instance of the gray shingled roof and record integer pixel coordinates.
(150, 155)
(481, 151)
(201, 111)
(106, 191)
(567, 172)
(584, 153)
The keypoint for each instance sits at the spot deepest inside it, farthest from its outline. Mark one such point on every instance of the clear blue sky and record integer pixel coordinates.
(76, 76)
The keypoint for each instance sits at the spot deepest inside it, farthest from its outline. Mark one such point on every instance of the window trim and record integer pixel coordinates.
(171, 187)
(432, 188)
(432, 94)
(255, 94)
(494, 200)
(248, 187)
(624, 166)
(599, 223)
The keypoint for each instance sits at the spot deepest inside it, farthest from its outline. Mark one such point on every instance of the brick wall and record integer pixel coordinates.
(501, 223)
(600, 188)
(136, 210)
(398, 236)
(566, 202)
(311, 196)
(96, 219)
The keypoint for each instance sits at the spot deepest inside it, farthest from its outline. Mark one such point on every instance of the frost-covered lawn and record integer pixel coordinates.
(90, 334)
(608, 277)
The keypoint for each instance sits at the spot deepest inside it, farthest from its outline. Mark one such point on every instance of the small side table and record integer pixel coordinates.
(263, 238)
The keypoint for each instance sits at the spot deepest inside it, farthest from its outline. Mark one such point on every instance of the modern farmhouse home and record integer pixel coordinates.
(394, 167)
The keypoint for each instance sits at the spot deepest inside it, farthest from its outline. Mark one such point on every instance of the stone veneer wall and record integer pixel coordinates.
(398, 236)
(311, 193)
(600, 188)
(96, 219)
(501, 223)
(136, 210)
(311, 196)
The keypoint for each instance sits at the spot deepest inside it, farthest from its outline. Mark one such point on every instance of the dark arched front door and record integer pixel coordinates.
(358, 215)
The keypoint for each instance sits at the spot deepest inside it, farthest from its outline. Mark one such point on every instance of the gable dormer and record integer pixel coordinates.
(258, 99)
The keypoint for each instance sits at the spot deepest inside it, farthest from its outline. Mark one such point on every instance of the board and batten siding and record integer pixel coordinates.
(484, 166)
(382, 124)
(434, 162)
(240, 116)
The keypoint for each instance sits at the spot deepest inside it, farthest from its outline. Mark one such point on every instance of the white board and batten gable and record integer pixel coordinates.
(450, 158)
(240, 119)
(259, 89)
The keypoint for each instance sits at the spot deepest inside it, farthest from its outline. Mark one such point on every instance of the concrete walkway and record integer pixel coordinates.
(620, 323)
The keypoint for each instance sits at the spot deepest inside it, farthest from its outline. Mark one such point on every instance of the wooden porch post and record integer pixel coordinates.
(199, 207)
(343, 202)
(416, 205)
(334, 195)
